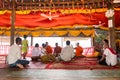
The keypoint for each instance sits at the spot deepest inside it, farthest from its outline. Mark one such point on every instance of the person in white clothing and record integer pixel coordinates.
(67, 52)
(36, 53)
(14, 55)
(109, 56)
(43, 50)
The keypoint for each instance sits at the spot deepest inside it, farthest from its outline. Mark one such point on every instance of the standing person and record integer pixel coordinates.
(78, 51)
(57, 50)
(49, 49)
(24, 46)
(67, 52)
(109, 56)
(14, 55)
(36, 53)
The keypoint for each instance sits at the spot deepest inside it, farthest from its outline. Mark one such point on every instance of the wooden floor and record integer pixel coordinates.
(58, 74)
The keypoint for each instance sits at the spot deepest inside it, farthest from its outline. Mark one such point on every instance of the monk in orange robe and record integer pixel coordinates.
(57, 50)
(78, 51)
(48, 48)
(47, 54)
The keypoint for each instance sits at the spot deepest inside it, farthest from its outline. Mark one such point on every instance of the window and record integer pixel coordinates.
(84, 41)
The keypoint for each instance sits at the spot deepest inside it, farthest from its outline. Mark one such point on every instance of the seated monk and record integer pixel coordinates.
(78, 51)
(48, 48)
(57, 50)
(45, 58)
(48, 58)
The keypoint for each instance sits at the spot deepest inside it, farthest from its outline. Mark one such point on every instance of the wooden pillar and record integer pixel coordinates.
(12, 31)
(31, 40)
(111, 25)
(112, 33)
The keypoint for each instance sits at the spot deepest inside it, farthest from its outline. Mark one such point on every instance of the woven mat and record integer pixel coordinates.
(82, 63)
(32, 65)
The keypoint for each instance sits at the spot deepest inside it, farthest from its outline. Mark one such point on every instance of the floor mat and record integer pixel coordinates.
(36, 65)
(81, 63)
(32, 65)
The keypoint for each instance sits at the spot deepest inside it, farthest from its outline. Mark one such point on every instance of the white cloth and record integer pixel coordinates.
(14, 54)
(111, 59)
(67, 53)
(43, 51)
(36, 51)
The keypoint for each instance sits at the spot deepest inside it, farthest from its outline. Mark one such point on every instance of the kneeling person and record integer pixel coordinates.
(109, 56)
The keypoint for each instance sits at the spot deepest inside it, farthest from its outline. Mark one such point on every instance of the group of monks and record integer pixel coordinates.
(48, 54)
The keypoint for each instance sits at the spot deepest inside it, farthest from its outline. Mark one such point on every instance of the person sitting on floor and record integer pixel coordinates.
(45, 57)
(14, 55)
(67, 52)
(57, 50)
(78, 51)
(109, 56)
(48, 48)
(36, 53)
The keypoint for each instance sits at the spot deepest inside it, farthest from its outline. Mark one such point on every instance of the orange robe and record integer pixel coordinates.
(57, 51)
(49, 49)
(79, 51)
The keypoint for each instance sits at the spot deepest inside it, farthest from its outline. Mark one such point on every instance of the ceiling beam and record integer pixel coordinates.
(55, 4)
(46, 4)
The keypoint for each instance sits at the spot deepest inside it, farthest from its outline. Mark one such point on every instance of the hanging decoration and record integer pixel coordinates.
(109, 13)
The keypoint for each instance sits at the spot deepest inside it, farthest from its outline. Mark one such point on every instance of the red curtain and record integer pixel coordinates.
(34, 20)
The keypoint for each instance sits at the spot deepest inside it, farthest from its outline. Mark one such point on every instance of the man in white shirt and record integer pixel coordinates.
(36, 53)
(109, 56)
(14, 55)
(67, 52)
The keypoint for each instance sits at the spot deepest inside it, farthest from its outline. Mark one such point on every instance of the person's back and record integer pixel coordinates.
(36, 53)
(67, 52)
(24, 46)
(36, 50)
(14, 54)
(111, 58)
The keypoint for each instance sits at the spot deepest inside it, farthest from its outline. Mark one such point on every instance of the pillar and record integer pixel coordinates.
(12, 30)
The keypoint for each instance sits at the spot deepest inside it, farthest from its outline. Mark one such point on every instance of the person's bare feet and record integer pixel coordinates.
(20, 66)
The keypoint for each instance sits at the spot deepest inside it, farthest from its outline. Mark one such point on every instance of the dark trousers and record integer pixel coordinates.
(103, 62)
(22, 62)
